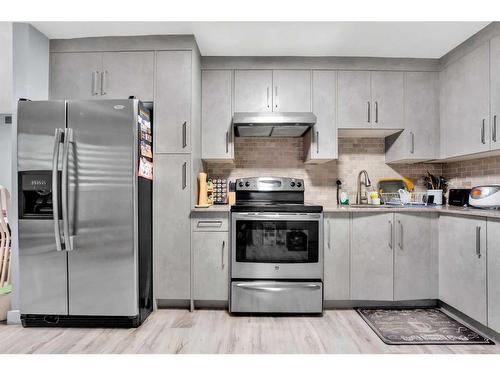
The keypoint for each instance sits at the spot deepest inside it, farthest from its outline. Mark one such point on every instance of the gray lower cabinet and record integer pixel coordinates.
(173, 102)
(75, 75)
(465, 124)
(253, 91)
(372, 245)
(462, 265)
(419, 140)
(210, 265)
(320, 144)
(415, 256)
(127, 74)
(291, 90)
(354, 99)
(172, 229)
(493, 244)
(336, 256)
(216, 115)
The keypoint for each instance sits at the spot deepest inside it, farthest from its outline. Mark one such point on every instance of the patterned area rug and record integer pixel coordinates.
(419, 326)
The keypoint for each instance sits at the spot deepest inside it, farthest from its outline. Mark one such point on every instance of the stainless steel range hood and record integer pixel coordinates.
(269, 124)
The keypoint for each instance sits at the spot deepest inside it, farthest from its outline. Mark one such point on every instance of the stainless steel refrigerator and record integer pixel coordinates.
(85, 213)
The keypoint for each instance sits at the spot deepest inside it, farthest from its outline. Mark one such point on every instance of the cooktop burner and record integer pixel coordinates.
(272, 194)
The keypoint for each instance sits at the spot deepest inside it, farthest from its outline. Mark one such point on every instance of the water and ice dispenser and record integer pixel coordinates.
(35, 195)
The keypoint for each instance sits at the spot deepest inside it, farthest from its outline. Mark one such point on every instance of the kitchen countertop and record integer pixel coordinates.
(447, 210)
(213, 208)
(451, 210)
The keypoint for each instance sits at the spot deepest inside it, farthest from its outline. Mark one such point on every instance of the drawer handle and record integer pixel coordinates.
(262, 288)
(210, 224)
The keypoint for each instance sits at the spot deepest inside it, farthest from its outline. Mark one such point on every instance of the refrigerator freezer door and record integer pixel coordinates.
(102, 267)
(43, 269)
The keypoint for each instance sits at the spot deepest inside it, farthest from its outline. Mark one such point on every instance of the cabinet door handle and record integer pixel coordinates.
(267, 93)
(317, 142)
(369, 110)
(478, 241)
(223, 250)
(329, 235)
(184, 134)
(276, 96)
(483, 127)
(494, 137)
(400, 244)
(412, 150)
(376, 112)
(184, 175)
(104, 83)
(95, 91)
(390, 234)
(227, 142)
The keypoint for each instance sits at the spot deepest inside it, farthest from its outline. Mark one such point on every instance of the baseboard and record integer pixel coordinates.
(468, 321)
(173, 303)
(348, 304)
(13, 317)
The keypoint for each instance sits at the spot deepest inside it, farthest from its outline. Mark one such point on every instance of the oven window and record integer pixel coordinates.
(277, 241)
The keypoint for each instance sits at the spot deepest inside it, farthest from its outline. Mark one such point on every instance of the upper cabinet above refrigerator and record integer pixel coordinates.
(108, 75)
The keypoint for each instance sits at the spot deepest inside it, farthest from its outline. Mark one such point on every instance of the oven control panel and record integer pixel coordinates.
(269, 184)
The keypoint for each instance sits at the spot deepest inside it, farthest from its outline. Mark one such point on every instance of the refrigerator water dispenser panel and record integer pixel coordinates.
(35, 195)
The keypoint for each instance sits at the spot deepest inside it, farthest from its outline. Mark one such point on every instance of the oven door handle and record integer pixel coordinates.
(268, 288)
(278, 216)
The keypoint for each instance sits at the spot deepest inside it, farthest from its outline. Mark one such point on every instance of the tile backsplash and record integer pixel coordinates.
(284, 157)
(470, 173)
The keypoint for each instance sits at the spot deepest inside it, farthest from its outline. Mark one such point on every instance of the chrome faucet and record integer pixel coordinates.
(359, 197)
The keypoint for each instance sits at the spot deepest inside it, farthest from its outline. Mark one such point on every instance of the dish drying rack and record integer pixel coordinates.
(416, 199)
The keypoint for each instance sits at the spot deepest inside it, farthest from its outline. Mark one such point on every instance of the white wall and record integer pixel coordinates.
(5, 102)
(31, 81)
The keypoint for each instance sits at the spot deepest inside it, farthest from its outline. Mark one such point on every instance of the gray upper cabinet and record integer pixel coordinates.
(216, 115)
(291, 90)
(372, 244)
(495, 92)
(354, 99)
(127, 74)
(321, 142)
(336, 256)
(419, 140)
(465, 125)
(108, 75)
(253, 91)
(493, 274)
(75, 75)
(415, 256)
(173, 102)
(462, 265)
(370, 100)
(172, 233)
(387, 100)
(211, 265)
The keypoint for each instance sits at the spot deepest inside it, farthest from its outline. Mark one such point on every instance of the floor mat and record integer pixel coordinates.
(419, 326)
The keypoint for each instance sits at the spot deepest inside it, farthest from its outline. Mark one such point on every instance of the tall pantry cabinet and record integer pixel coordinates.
(167, 71)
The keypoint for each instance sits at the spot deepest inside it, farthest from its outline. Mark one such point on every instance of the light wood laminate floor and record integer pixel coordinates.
(215, 331)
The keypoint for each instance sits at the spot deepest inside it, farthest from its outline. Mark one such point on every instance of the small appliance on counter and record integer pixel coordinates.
(459, 197)
(486, 196)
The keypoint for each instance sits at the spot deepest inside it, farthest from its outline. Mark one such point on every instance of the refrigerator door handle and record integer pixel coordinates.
(68, 138)
(55, 188)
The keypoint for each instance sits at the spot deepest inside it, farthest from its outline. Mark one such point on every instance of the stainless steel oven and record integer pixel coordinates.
(276, 248)
(277, 245)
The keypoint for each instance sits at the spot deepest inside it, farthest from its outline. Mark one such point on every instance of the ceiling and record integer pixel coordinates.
(370, 39)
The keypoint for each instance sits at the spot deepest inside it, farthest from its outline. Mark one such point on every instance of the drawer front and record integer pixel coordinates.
(210, 225)
(276, 297)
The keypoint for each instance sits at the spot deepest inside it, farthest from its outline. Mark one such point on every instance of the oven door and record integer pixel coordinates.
(277, 245)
